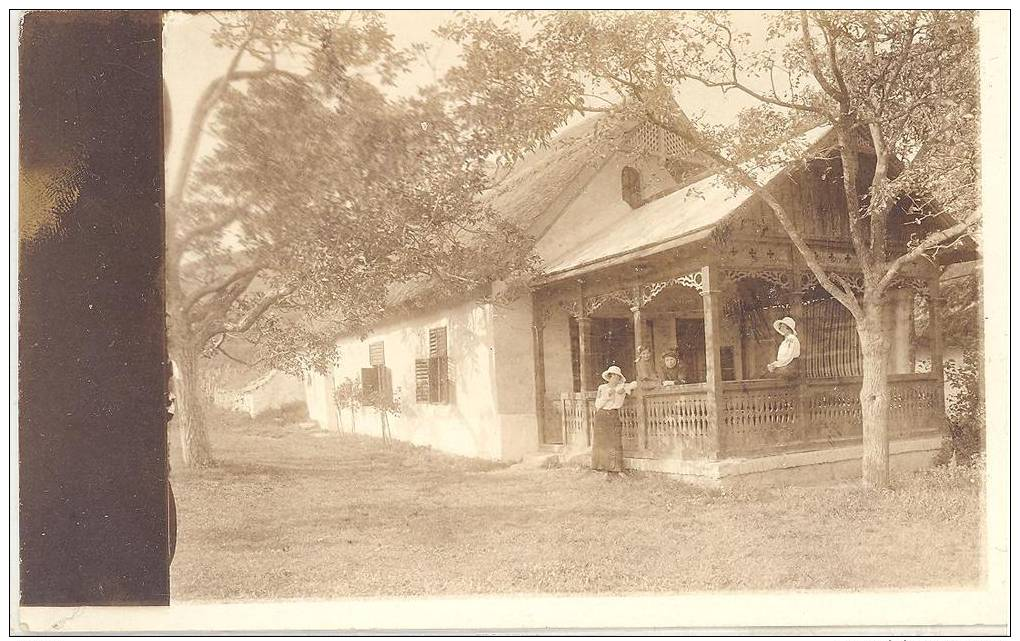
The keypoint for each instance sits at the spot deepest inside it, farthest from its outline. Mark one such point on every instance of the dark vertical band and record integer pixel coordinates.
(92, 414)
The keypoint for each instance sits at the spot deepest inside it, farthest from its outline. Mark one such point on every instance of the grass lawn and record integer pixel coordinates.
(290, 512)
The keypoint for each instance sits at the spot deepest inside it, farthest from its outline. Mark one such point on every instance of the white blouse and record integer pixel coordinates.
(789, 349)
(611, 397)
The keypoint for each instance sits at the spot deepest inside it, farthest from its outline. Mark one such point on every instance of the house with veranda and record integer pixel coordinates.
(641, 246)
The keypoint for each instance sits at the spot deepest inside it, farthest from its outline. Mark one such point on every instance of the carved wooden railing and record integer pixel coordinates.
(762, 416)
(756, 417)
(670, 422)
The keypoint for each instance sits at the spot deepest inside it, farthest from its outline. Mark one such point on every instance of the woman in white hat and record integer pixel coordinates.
(785, 364)
(607, 437)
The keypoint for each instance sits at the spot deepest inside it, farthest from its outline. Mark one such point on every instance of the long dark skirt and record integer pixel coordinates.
(607, 442)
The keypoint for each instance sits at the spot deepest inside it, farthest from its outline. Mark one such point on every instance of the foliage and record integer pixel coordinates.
(294, 412)
(321, 193)
(319, 196)
(965, 406)
(899, 84)
(351, 394)
(965, 409)
(898, 91)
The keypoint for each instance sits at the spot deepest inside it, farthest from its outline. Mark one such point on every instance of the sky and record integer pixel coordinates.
(191, 61)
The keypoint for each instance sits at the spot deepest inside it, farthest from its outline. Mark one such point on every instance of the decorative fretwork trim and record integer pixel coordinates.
(632, 298)
(777, 277)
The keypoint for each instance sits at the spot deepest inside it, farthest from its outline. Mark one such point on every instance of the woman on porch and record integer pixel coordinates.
(786, 364)
(607, 439)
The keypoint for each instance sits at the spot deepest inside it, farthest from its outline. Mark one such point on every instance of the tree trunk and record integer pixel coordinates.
(874, 395)
(192, 404)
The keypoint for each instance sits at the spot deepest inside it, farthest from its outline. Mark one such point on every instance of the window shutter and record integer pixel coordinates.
(421, 380)
(444, 379)
(369, 380)
(376, 354)
(437, 341)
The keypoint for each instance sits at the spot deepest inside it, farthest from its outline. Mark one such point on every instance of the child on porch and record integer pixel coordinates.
(646, 374)
(786, 364)
(673, 371)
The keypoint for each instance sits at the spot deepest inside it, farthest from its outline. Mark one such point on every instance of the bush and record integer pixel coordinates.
(965, 411)
(294, 412)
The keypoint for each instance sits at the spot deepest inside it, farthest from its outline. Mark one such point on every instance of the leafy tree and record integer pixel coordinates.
(900, 86)
(319, 194)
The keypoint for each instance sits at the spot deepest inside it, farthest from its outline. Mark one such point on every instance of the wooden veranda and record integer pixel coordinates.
(730, 411)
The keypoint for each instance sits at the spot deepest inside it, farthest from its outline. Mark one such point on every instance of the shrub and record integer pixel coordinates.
(965, 411)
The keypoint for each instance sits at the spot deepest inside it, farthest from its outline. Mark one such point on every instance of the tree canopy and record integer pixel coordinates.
(321, 193)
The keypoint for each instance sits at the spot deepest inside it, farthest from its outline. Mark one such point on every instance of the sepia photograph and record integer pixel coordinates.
(545, 304)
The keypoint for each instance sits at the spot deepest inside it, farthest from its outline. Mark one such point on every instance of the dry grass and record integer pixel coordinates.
(294, 513)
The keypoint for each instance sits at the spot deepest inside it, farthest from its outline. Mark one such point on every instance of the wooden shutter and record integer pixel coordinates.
(385, 383)
(438, 366)
(437, 341)
(369, 380)
(444, 379)
(376, 354)
(421, 380)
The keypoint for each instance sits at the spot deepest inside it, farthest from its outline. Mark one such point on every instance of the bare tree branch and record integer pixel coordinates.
(927, 244)
(219, 286)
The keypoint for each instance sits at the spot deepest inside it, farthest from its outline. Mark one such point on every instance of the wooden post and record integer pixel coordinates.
(584, 353)
(563, 418)
(935, 324)
(639, 395)
(713, 367)
(538, 353)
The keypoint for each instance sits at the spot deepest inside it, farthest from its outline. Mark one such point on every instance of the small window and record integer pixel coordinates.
(630, 180)
(431, 375)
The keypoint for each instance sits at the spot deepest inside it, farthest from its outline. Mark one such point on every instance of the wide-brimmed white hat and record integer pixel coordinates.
(613, 369)
(789, 322)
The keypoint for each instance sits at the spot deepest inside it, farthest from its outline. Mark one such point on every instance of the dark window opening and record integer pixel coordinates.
(690, 343)
(630, 180)
(727, 364)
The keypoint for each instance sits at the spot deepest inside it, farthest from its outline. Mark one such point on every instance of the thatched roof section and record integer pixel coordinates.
(525, 193)
(535, 182)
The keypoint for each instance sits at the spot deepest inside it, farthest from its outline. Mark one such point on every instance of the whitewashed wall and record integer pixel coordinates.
(490, 415)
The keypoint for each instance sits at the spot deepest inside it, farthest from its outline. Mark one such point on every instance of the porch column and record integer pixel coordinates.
(639, 341)
(584, 352)
(639, 328)
(710, 295)
(935, 324)
(538, 352)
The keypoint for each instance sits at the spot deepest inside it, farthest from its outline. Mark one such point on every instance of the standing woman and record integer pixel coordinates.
(607, 440)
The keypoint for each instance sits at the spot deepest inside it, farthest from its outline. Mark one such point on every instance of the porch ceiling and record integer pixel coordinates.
(682, 217)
